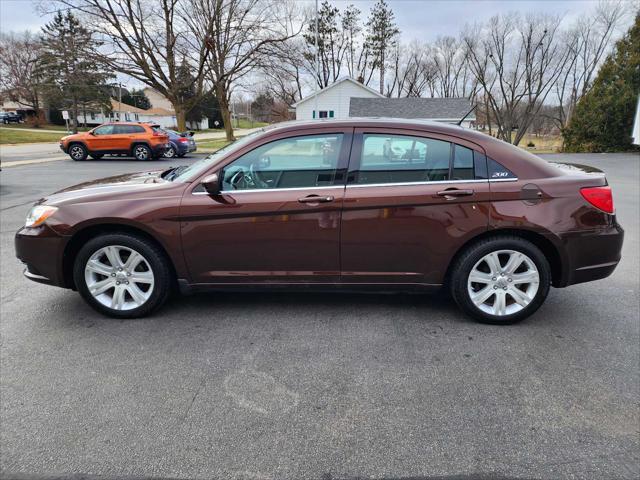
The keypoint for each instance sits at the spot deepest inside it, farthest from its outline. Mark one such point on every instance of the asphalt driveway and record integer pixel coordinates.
(321, 386)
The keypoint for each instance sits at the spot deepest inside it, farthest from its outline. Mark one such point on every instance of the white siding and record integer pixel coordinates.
(336, 98)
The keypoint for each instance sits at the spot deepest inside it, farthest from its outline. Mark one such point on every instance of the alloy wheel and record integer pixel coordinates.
(170, 152)
(141, 153)
(119, 277)
(503, 282)
(77, 152)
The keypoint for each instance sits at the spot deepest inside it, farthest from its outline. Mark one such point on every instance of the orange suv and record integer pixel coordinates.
(144, 141)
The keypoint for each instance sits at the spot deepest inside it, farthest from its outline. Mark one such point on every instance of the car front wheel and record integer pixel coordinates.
(122, 275)
(501, 280)
(78, 152)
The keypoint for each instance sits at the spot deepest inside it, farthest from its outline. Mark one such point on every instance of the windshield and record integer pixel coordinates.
(200, 166)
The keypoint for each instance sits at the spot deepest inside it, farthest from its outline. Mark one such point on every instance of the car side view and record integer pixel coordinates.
(143, 141)
(371, 205)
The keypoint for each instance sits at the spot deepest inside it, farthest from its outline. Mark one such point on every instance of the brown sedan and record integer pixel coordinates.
(360, 204)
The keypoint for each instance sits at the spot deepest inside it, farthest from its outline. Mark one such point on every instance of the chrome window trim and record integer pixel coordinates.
(359, 185)
(266, 190)
(408, 184)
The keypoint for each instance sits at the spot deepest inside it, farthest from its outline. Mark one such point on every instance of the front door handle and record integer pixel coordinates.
(454, 192)
(316, 199)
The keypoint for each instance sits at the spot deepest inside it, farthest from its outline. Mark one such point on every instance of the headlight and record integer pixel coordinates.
(39, 214)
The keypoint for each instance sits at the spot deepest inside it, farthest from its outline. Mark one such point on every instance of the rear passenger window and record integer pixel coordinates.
(498, 171)
(402, 159)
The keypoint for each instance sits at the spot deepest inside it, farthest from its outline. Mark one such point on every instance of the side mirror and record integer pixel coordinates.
(91, 132)
(211, 184)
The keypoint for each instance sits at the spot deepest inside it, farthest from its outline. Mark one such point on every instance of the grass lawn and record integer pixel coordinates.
(46, 126)
(8, 136)
(210, 146)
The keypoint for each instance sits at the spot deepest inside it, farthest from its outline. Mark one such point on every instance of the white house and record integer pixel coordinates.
(333, 101)
(121, 112)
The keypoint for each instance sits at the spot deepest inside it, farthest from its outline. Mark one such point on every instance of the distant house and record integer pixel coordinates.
(448, 110)
(333, 101)
(156, 99)
(121, 112)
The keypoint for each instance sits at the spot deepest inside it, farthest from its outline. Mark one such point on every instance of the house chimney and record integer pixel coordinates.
(361, 79)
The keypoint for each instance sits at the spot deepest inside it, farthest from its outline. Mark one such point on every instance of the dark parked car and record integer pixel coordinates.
(10, 117)
(179, 144)
(321, 205)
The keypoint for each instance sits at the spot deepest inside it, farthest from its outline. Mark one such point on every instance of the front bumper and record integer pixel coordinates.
(63, 147)
(591, 255)
(41, 249)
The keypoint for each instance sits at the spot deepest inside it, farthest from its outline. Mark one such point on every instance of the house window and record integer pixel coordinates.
(324, 114)
(93, 115)
(137, 117)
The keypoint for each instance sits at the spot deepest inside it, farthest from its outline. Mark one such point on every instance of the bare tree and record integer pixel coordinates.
(148, 40)
(588, 41)
(284, 71)
(239, 35)
(516, 62)
(19, 76)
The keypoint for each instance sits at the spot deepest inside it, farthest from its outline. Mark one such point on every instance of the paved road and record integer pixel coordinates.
(320, 386)
(31, 153)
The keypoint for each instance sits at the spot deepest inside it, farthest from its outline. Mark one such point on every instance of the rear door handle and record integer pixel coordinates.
(316, 199)
(455, 193)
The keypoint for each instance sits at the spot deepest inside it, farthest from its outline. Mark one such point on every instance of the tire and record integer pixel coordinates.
(96, 156)
(522, 273)
(78, 152)
(122, 290)
(142, 152)
(171, 152)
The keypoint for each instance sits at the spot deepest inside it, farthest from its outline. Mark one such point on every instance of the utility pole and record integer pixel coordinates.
(316, 112)
(119, 101)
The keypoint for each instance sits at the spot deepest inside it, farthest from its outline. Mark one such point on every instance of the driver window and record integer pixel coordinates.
(309, 161)
(104, 130)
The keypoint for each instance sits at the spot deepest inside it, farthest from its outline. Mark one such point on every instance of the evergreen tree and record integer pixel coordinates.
(382, 36)
(603, 118)
(72, 78)
(136, 98)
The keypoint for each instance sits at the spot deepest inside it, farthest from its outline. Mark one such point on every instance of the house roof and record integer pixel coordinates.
(160, 111)
(335, 84)
(423, 108)
(116, 106)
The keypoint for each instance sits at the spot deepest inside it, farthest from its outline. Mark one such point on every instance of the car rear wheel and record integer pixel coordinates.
(78, 152)
(170, 152)
(501, 280)
(142, 152)
(122, 275)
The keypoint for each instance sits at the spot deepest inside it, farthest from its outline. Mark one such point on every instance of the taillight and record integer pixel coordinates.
(183, 140)
(599, 197)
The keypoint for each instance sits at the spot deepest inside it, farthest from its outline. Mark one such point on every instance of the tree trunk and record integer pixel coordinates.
(223, 103)
(75, 115)
(382, 75)
(181, 116)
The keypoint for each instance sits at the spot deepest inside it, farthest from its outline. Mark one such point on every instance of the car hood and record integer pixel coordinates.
(109, 187)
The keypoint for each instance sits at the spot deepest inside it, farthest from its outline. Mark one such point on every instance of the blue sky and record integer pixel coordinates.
(418, 19)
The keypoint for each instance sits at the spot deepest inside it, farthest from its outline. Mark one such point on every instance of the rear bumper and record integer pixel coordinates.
(41, 250)
(591, 255)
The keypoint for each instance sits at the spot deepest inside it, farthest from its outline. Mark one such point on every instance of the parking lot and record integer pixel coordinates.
(319, 386)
